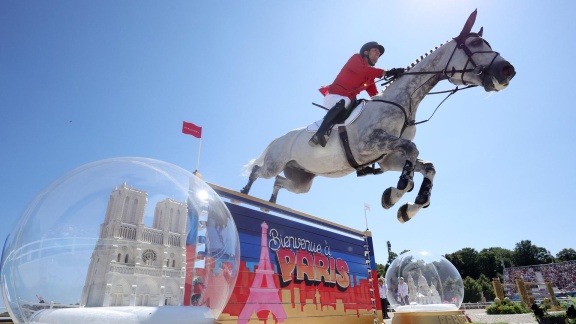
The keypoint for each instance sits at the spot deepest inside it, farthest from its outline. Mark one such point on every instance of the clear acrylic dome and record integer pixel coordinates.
(121, 239)
(421, 281)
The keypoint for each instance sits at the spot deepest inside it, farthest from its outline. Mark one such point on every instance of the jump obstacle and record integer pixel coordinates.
(298, 268)
(526, 292)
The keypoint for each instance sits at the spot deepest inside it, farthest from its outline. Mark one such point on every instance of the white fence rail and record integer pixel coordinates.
(474, 305)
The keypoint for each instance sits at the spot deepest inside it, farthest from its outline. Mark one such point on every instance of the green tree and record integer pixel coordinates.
(491, 261)
(391, 257)
(472, 291)
(543, 256)
(381, 270)
(487, 288)
(465, 261)
(525, 254)
(566, 255)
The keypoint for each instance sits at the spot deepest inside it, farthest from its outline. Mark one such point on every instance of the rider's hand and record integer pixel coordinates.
(395, 72)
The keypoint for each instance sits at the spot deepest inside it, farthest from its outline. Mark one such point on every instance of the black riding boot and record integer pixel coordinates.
(327, 123)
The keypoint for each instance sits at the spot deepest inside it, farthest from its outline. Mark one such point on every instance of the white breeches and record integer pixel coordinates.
(331, 99)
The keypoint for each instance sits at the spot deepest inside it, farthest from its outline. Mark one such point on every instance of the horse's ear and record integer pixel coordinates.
(469, 23)
(481, 31)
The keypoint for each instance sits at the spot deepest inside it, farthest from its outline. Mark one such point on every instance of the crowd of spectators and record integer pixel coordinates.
(561, 275)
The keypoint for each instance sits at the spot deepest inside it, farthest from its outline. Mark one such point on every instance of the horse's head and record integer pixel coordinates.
(474, 62)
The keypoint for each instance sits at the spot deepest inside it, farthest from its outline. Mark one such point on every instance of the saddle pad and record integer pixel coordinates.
(312, 128)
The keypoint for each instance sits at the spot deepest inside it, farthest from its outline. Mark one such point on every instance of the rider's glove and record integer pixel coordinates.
(395, 72)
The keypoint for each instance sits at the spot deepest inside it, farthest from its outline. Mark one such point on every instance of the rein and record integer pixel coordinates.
(450, 92)
(477, 70)
(412, 123)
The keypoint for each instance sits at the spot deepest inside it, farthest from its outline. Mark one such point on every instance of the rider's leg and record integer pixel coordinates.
(327, 124)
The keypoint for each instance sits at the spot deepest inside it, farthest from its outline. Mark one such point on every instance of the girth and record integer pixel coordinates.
(349, 156)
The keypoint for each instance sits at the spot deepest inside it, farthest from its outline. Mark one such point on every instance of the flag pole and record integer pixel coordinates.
(366, 207)
(198, 159)
(196, 131)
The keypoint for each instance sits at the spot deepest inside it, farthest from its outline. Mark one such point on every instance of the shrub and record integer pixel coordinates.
(506, 306)
(555, 318)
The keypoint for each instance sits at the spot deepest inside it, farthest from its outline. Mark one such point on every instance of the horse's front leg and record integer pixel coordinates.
(408, 210)
(426, 168)
(402, 157)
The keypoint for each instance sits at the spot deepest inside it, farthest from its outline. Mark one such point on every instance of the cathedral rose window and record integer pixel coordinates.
(149, 255)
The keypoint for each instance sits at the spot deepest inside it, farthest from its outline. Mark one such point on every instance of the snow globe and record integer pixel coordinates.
(121, 240)
(422, 285)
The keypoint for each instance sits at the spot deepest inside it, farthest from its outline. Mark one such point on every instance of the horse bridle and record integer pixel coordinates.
(477, 69)
(460, 44)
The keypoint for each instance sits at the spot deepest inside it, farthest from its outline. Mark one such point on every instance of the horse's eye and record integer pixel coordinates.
(476, 42)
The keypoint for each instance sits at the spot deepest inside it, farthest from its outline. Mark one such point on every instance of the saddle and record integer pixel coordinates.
(349, 116)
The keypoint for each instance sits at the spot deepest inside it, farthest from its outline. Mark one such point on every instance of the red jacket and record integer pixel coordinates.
(355, 76)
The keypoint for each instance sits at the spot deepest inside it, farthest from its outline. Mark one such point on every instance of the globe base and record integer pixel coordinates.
(447, 317)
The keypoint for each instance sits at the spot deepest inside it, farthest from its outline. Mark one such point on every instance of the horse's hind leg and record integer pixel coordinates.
(296, 181)
(251, 179)
(278, 184)
(408, 210)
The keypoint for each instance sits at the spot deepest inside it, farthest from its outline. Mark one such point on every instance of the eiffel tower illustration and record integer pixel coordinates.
(263, 292)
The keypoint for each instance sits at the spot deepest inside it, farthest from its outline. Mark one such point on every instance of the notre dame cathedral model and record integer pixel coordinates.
(135, 265)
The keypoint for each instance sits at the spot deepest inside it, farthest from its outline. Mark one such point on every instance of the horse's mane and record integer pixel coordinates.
(418, 60)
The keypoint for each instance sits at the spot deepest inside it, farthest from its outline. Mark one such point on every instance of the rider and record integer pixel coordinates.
(358, 74)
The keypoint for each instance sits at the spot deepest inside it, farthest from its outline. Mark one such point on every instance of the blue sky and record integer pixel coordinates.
(85, 81)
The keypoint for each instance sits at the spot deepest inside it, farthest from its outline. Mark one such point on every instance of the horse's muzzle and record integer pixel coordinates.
(499, 76)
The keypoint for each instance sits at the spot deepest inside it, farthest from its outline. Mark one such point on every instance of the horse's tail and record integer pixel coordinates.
(259, 162)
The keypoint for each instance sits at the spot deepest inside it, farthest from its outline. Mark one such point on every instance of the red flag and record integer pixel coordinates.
(191, 129)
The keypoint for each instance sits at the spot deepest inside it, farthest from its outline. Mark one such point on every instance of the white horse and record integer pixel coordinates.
(384, 130)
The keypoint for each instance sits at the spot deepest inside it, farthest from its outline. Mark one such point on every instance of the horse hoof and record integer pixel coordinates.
(403, 214)
(386, 199)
